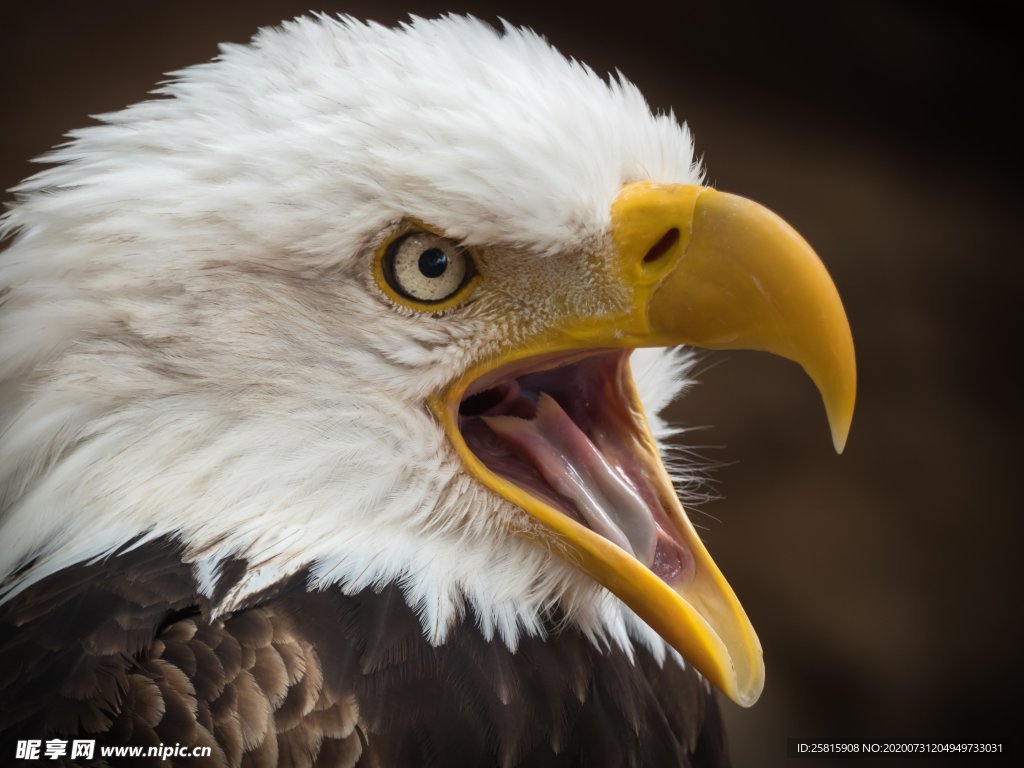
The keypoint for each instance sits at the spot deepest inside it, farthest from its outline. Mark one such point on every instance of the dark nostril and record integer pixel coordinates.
(663, 246)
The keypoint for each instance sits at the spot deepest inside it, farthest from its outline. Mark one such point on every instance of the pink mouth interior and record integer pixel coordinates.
(567, 435)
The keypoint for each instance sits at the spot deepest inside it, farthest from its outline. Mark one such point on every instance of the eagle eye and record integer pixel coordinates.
(423, 268)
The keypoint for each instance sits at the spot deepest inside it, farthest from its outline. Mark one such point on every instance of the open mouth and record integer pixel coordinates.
(554, 425)
(569, 430)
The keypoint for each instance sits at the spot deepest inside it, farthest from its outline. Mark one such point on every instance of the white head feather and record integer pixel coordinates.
(190, 342)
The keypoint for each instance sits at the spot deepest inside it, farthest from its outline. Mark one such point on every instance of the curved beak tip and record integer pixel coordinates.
(840, 434)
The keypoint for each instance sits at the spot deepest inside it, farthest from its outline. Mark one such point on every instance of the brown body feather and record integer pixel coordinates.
(125, 652)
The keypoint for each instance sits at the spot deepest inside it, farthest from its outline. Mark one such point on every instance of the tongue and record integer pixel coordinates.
(573, 466)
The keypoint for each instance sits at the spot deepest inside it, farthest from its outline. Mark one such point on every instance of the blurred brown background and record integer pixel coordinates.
(884, 582)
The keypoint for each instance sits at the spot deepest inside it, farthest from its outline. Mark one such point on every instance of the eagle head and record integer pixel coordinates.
(396, 306)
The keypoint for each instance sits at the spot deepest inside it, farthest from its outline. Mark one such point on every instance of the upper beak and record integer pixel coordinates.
(719, 271)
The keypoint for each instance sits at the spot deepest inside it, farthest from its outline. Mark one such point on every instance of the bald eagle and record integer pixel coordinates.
(330, 392)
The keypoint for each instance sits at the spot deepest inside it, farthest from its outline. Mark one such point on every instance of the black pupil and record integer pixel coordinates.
(433, 262)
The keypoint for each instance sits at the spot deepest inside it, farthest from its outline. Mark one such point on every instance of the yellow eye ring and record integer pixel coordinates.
(424, 270)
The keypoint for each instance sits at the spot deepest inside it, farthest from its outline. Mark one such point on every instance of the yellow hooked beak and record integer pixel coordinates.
(737, 277)
(711, 270)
